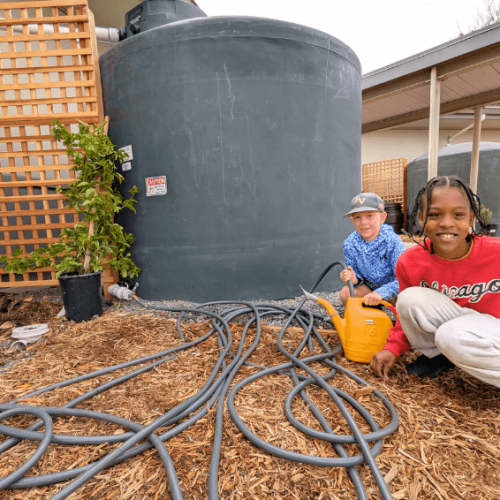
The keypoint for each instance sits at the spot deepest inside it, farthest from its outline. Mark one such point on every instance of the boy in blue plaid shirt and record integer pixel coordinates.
(371, 252)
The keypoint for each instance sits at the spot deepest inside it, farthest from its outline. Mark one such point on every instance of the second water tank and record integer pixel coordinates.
(456, 160)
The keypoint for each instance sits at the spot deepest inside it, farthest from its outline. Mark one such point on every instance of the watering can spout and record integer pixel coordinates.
(309, 296)
(337, 321)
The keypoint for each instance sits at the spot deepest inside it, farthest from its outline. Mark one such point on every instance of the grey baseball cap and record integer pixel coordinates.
(366, 202)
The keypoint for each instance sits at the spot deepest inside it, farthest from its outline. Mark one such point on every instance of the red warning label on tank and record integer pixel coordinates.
(156, 186)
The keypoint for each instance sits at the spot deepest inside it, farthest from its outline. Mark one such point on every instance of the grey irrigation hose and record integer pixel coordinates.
(353, 473)
(33, 481)
(5, 482)
(11, 442)
(110, 458)
(211, 392)
(139, 436)
(231, 314)
(340, 450)
(275, 450)
(62, 476)
(58, 477)
(214, 463)
(332, 393)
(391, 427)
(104, 371)
(48, 437)
(362, 443)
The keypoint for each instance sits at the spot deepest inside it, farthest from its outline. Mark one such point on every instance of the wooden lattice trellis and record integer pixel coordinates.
(48, 71)
(388, 180)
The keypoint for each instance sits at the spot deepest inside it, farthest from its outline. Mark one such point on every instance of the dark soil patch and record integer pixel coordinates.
(26, 310)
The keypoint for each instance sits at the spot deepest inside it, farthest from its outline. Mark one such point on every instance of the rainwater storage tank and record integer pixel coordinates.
(456, 160)
(248, 133)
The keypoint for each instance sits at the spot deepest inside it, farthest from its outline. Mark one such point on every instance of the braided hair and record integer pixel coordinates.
(450, 181)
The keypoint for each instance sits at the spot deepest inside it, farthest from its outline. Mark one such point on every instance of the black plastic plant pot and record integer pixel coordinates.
(81, 295)
(490, 230)
(493, 230)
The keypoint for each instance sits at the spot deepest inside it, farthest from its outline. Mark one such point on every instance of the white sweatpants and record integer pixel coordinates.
(434, 324)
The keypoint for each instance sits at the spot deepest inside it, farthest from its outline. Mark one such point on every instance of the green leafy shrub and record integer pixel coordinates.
(485, 214)
(95, 196)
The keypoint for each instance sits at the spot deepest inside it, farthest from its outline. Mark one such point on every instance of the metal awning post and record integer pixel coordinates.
(434, 124)
(476, 142)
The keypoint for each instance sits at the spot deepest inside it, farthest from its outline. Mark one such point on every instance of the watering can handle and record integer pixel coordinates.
(389, 306)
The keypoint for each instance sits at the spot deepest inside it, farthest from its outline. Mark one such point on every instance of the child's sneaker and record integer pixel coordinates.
(426, 367)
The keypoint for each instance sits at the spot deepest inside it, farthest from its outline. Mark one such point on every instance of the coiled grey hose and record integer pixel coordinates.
(196, 407)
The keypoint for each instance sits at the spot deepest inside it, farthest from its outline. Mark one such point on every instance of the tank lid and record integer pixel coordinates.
(151, 14)
(464, 147)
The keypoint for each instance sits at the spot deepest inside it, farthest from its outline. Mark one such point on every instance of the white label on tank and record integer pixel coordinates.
(156, 186)
(127, 166)
(128, 150)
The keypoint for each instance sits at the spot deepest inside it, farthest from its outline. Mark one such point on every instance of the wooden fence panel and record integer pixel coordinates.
(48, 71)
(388, 180)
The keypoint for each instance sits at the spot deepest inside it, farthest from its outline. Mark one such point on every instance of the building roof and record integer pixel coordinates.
(468, 68)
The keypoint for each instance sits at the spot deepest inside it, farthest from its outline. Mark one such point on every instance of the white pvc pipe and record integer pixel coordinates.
(106, 36)
(464, 130)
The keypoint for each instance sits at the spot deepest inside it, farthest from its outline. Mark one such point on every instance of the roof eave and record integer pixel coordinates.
(419, 63)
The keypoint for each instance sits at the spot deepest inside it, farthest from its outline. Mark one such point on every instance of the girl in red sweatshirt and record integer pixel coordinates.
(449, 289)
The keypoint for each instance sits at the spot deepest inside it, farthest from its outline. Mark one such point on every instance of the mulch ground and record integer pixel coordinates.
(447, 445)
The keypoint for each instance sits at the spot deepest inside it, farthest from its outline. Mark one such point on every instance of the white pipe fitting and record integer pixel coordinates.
(107, 36)
(25, 335)
(120, 292)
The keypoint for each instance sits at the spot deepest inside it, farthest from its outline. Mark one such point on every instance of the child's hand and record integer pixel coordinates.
(372, 299)
(348, 274)
(382, 362)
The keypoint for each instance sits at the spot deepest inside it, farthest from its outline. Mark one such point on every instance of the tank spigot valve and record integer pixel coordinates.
(309, 296)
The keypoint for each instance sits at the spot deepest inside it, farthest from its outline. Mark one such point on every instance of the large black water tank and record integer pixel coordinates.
(256, 125)
(456, 160)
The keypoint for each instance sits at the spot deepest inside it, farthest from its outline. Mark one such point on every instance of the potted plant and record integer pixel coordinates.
(486, 214)
(95, 242)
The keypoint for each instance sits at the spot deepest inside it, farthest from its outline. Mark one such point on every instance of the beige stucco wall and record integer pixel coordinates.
(410, 144)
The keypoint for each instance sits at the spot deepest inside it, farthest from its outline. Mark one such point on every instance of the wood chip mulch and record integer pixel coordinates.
(447, 445)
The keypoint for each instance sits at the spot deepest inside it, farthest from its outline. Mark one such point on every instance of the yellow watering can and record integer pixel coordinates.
(363, 330)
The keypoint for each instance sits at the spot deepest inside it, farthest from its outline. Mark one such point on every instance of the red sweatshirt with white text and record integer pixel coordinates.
(472, 282)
